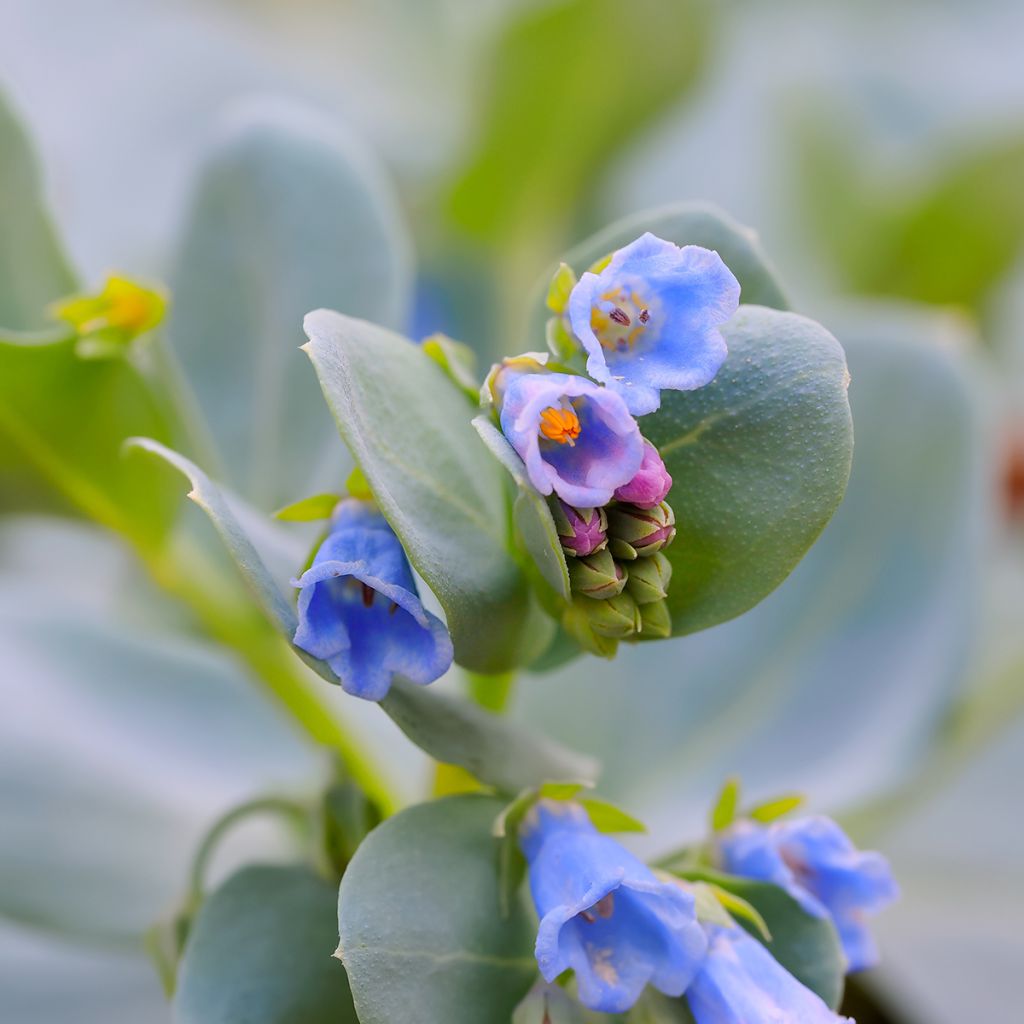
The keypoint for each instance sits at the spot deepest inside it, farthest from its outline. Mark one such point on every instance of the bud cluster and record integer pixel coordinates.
(618, 573)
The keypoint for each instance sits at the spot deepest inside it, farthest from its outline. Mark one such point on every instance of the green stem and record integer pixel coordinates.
(274, 665)
(491, 692)
(291, 809)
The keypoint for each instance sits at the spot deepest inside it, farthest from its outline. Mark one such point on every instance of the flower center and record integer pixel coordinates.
(560, 425)
(619, 319)
(604, 907)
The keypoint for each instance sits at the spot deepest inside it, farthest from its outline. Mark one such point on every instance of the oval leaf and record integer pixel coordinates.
(260, 952)
(422, 936)
(759, 458)
(408, 427)
(289, 214)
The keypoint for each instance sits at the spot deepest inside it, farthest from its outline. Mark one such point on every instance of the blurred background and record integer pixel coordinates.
(878, 151)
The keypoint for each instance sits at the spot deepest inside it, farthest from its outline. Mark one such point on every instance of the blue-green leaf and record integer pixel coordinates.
(422, 936)
(260, 952)
(408, 427)
(289, 213)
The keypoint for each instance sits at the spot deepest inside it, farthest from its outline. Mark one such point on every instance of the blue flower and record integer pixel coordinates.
(818, 865)
(604, 914)
(650, 319)
(359, 610)
(576, 438)
(742, 983)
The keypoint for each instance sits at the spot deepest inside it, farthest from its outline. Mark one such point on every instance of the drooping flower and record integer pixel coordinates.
(650, 319)
(604, 914)
(651, 484)
(818, 865)
(576, 438)
(359, 609)
(740, 982)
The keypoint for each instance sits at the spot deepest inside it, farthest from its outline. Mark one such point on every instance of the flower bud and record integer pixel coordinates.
(576, 622)
(635, 532)
(581, 530)
(616, 617)
(597, 576)
(651, 484)
(649, 579)
(655, 621)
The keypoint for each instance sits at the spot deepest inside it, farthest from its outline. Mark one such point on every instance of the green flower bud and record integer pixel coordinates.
(616, 617)
(636, 533)
(655, 621)
(576, 622)
(649, 578)
(597, 575)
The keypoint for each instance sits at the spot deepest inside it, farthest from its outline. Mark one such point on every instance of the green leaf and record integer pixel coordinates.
(495, 750)
(33, 268)
(653, 1007)
(807, 946)
(535, 525)
(260, 952)
(553, 116)
(422, 937)
(312, 509)
(759, 460)
(62, 422)
(606, 817)
(708, 906)
(289, 213)
(457, 360)
(772, 810)
(724, 812)
(408, 427)
(739, 908)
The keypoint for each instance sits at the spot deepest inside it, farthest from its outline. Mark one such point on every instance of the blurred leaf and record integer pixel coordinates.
(422, 937)
(948, 233)
(759, 458)
(495, 750)
(772, 810)
(409, 429)
(653, 1007)
(312, 509)
(606, 817)
(569, 86)
(33, 268)
(861, 649)
(260, 952)
(289, 214)
(807, 946)
(64, 419)
(724, 811)
(536, 527)
(118, 745)
(457, 360)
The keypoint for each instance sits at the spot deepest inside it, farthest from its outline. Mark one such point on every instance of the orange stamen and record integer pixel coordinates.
(560, 425)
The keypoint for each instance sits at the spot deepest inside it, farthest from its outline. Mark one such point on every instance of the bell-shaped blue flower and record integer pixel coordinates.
(740, 982)
(359, 609)
(650, 319)
(576, 438)
(604, 914)
(818, 865)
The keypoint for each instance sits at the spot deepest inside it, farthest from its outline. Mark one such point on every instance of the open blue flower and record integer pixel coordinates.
(359, 610)
(818, 865)
(576, 438)
(650, 319)
(740, 982)
(604, 914)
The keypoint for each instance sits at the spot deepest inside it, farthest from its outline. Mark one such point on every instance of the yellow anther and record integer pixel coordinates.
(560, 425)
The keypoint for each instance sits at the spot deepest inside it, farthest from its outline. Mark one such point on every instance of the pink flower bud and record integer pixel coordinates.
(651, 484)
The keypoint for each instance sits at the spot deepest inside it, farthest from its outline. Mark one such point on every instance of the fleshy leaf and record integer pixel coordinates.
(759, 460)
(422, 936)
(311, 509)
(408, 427)
(260, 952)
